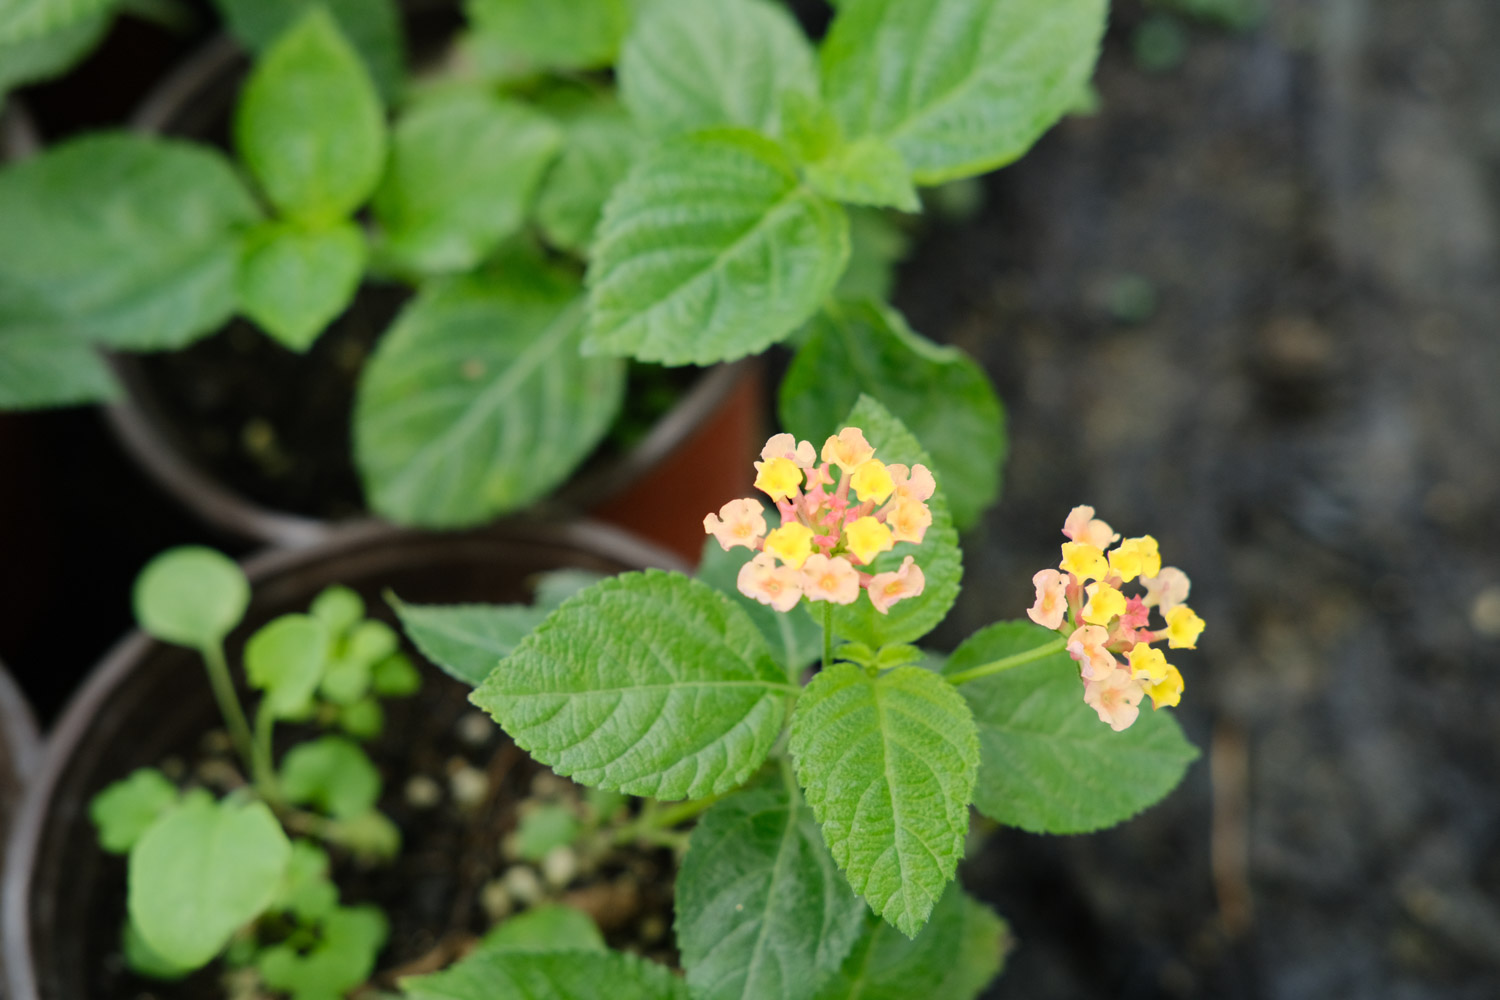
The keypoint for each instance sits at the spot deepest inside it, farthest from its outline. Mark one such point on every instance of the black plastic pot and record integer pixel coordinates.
(148, 700)
(19, 750)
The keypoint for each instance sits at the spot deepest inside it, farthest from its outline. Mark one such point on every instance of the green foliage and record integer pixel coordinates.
(293, 281)
(876, 245)
(477, 400)
(938, 555)
(395, 677)
(795, 640)
(342, 958)
(51, 54)
(543, 829)
(647, 683)
(331, 775)
(1047, 764)
(958, 87)
(364, 720)
(125, 810)
(600, 144)
(26, 21)
(467, 640)
(954, 957)
(545, 34)
(561, 975)
(867, 171)
(285, 659)
(711, 249)
(42, 361)
(939, 393)
(305, 891)
(310, 126)
(888, 764)
(701, 63)
(545, 928)
(124, 240)
(351, 671)
(339, 608)
(143, 960)
(191, 596)
(202, 871)
(463, 172)
(762, 911)
(373, 28)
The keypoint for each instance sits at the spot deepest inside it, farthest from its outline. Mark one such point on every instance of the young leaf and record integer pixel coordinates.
(647, 683)
(364, 720)
(305, 891)
(958, 87)
(331, 775)
(50, 54)
(351, 672)
(125, 810)
(888, 765)
(545, 928)
(477, 401)
(488, 973)
(127, 240)
(373, 27)
(795, 640)
(955, 956)
(600, 145)
(1047, 764)
(343, 957)
(285, 659)
(191, 596)
(463, 172)
(339, 608)
(43, 362)
(544, 828)
(200, 872)
(938, 555)
(143, 960)
(866, 171)
(711, 249)
(876, 245)
(25, 21)
(310, 126)
(467, 640)
(294, 281)
(762, 911)
(395, 677)
(692, 65)
(545, 34)
(939, 393)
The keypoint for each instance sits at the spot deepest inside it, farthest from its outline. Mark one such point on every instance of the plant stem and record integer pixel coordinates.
(1008, 662)
(234, 715)
(265, 722)
(654, 818)
(827, 634)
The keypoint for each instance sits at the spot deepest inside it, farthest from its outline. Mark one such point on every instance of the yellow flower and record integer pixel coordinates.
(872, 482)
(909, 521)
(867, 538)
(1083, 560)
(1105, 604)
(1148, 664)
(1183, 627)
(791, 543)
(1168, 691)
(848, 449)
(778, 478)
(1136, 557)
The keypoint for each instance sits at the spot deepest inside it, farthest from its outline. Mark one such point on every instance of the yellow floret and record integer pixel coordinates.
(1083, 560)
(871, 481)
(778, 478)
(1168, 692)
(1105, 604)
(1183, 627)
(791, 543)
(1147, 664)
(1136, 557)
(867, 538)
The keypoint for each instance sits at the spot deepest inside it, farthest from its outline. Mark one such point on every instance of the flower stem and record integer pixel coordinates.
(1008, 662)
(234, 716)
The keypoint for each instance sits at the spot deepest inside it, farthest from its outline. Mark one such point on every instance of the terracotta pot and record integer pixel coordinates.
(148, 700)
(195, 101)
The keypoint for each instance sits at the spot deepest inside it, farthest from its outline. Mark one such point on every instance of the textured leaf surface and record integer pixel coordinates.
(648, 683)
(942, 396)
(794, 638)
(1047, 764)
(191, 596)
(463, 173)
(546, 928)
(888, 765)
(349, 938)
(938, 555)
(285, 659)
(954, 957)
(477, 401)
(711, 249)
(695, 64)
(560, 975)
(310, 125)
(865, 172)
(293, 282)
(959, 87)
(126, 240)
(51, 54)
(125, 810)
(467, 640)
(331, 774)
(373, 27)
(43, 361)
(26, 21)
(762, 910)
(200, 872)
(600, 144)
(545, 34)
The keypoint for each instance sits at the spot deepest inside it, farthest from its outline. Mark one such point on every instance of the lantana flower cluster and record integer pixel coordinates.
(1109, 634)
(830, 532)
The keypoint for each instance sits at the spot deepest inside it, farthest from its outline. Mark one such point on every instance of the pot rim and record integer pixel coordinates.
(19, 734)
(23, 840)
(135, 421)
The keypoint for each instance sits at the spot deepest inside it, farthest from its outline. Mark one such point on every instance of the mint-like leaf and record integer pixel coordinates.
(293, 282)
(600, 145)
(373, 27)
(545, 34)
(562, 975)
(467, 640)
(866, 171)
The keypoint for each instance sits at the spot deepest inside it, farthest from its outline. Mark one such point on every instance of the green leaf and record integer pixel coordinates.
(467, 641)
(364, 720)
(201, 872)
(462, 174)
(888, 765)
(762, 911)
(876, 245)
(25, 21)
(477, 400)
(865, 172)
(144, 961)
(310, 126)
(373, 27)
(342, 958)
(711, 249)
(339, 608)
(647, 683)
(600, 145)
(127, 240)
(693, 65)
(958, 87)
(331, 775)
(395, 677)
(351, 672)
(545, 928)
(545, 34)
(51, 54)
(955, 956)
(544, 828)
(191, 596)
(552, 588)
(305, 891)
(43, 362)
(285, 659)
(795, 640)
(293, 282)
(371, 836)
(125, 810)
(1047, 764)
(938, 555)
(563, 975)
(939, 393)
